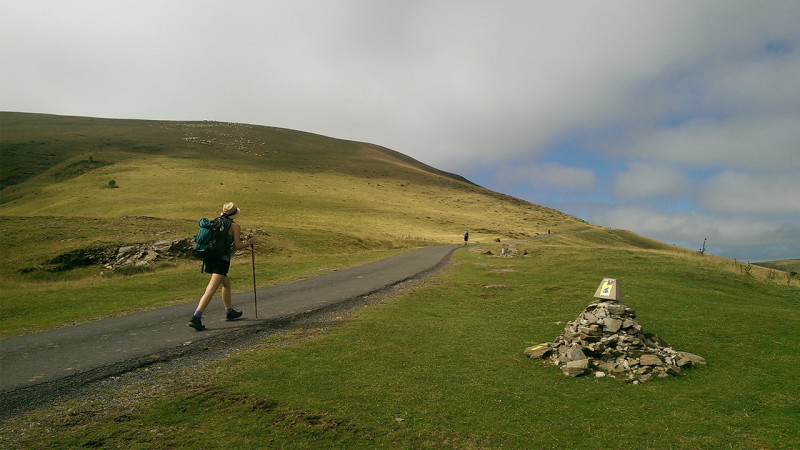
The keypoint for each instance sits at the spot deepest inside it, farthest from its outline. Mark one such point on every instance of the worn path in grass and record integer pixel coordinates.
(60, 359)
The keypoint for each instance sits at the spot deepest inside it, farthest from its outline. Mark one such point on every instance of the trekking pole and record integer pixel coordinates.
(253, 257)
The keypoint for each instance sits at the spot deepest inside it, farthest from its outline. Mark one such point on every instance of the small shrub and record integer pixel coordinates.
(772, 275)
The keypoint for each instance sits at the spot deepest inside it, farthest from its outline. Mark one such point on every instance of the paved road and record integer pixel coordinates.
(78, 354)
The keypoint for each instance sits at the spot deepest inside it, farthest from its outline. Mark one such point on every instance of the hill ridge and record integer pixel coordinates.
(308, 190)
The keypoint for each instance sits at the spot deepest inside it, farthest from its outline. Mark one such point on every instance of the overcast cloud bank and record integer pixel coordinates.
(678, 120)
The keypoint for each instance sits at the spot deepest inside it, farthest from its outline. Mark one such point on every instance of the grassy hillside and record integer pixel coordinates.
(304, 196)
(61, 166)
(442, 365)
(785, 265)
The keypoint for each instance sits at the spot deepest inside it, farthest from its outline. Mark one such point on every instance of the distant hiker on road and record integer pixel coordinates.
(217, 262)
(466, 237)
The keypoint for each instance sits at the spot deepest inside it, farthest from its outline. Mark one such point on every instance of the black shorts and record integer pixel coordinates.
(217, 265)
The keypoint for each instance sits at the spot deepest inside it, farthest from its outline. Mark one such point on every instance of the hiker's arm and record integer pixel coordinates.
(237, 243)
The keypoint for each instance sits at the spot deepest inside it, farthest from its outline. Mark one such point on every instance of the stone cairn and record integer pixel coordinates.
(605, 340)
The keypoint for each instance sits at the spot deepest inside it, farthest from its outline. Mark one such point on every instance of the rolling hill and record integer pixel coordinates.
(76, 187)
(791, 266)
(296, 185)
(439, 364)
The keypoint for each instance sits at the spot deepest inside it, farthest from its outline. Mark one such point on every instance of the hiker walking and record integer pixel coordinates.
(218, 267)
(466, 236)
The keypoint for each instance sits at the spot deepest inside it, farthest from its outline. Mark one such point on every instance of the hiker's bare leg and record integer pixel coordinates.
(226, 292)
(213, 284)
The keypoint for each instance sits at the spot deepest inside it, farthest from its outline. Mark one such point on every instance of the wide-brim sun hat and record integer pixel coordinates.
(229, 209)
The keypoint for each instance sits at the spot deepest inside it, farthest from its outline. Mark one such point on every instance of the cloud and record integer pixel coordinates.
(647, 180)
(431, 79)
(548, 175)
(734, 107)
(762, 143)
(767, 195)
(742, 237)
(697, 102)
(434, 80)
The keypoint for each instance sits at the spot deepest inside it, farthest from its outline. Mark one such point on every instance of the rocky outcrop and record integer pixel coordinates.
(111, 258)
(512, 252)
(606, 340)
(146, 254)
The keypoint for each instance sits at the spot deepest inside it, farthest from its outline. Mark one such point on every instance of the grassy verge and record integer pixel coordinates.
(441, 365)
(38, 299)
(30, 306)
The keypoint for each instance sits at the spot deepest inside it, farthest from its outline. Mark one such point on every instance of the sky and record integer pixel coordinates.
(678, 119)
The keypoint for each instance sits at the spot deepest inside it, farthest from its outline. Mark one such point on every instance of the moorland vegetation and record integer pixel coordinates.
(439, 364)
(314, 203)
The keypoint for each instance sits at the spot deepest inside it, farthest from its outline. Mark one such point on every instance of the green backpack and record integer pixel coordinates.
(211, 241)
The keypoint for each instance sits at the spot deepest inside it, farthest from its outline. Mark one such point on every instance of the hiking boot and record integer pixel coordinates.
(197, 324)
(233, 315)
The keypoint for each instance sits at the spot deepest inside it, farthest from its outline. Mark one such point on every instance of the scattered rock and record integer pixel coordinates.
(686, 360)
(575, 353)
(126, 250)
(538, 351)
(611, 324)
(139, 255)
(576, 368)
(509, 252)
(142, 255)
(650, 360)
(656, 339)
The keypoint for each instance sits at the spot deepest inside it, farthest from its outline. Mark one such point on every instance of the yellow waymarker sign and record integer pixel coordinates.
(605, 288)
(609, 289)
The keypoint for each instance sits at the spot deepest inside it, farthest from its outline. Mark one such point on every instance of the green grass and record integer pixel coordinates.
(41, 299)
(786, 265)
(439, 365)
(34, 305)
(446, 357)
(179, 170)
(303, 196)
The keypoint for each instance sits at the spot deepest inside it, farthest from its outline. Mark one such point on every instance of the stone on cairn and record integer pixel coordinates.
(606, 340)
